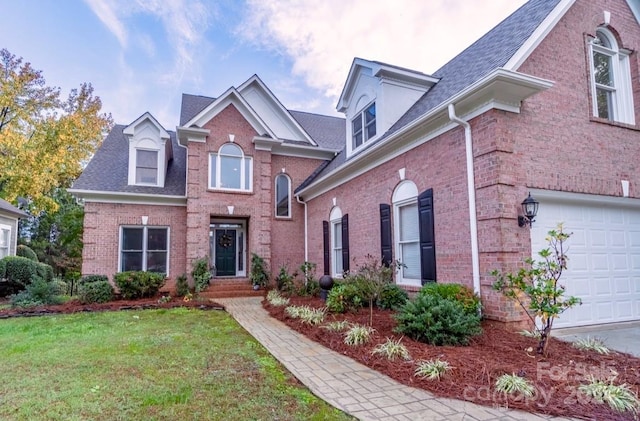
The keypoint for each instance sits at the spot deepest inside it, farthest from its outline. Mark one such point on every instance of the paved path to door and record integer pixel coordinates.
(350, 386)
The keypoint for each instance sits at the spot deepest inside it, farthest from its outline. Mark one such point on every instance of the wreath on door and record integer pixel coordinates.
(225, 241)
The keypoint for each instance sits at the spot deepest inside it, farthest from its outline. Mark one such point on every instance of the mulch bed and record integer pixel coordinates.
(476, 367)
(117, 305)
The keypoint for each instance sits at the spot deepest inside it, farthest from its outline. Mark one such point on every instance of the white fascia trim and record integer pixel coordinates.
(231, 96)
(129, 198)
(472, 101)
(538, 35)
(129, 130)
(569, 197)
(191, 134)
(277, 103)
(278, 147)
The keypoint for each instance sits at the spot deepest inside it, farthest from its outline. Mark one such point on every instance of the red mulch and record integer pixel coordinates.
(476, 367)
(76, 307)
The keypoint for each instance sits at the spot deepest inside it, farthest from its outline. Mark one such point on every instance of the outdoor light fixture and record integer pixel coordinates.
(530, 210)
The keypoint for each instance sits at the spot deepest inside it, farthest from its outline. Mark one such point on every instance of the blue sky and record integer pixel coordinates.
(141, 55)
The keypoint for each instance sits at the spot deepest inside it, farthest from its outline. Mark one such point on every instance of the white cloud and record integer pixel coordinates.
(322, 38)
(106, 11)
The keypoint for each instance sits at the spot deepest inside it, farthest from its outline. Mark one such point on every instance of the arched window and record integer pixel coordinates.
(407, 232)
(230, 169)
(283, 196)
(610, 79)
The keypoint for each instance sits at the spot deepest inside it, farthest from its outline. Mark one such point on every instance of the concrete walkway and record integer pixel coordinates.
(622, 337)
(350, 386)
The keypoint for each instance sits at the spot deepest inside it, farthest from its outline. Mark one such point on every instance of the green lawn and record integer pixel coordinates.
(178, 364)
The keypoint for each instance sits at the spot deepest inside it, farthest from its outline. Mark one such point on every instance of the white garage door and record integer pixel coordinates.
(604, 259)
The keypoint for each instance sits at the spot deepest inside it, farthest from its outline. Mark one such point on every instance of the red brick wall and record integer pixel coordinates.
(101, 237)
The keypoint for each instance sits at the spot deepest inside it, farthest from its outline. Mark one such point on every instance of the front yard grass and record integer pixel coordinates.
(179, 364)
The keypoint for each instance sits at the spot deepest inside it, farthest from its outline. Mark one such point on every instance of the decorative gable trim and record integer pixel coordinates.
(279, 147)
(146, 135)
(538, 35)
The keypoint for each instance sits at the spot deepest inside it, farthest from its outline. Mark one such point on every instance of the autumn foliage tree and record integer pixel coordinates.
(44, 140)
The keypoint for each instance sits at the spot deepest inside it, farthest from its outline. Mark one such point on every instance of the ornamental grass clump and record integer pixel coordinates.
(275, 299)
(433, 369)
(592, 344)
(513, 384)
(358, 335)
(306, 314)
(619, 397)
(336, 326)
(392, 350)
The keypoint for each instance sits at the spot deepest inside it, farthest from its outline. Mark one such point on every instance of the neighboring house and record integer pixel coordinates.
(9, 216)
(429, 170)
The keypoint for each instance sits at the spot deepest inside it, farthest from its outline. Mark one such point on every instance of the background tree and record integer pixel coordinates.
(44, 140)
(56, 236)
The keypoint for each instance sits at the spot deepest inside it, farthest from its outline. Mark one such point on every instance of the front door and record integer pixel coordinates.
(225, 252)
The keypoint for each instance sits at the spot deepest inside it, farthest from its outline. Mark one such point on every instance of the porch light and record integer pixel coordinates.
(529, 210)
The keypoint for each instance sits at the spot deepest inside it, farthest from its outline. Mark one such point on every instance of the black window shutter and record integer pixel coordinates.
(386, 242)
(345, 243)
(427, 239)
(325, 245)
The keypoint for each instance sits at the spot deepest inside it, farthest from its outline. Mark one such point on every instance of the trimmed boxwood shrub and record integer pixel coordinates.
(44, 271)
(95, 291)
(134, 285)
(87, 279)
(345, 296)
(456, 292)
(26, 251)
(182, 285)
(437, 321)
(392, 297)
(20, 270)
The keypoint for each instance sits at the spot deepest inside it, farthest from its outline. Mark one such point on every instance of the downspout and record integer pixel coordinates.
(471, 187)
(306, 247)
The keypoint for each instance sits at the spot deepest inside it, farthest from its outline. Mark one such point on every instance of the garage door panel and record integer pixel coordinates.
(604, 259)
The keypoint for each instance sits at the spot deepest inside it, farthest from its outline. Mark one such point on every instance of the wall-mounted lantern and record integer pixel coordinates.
(529, 210)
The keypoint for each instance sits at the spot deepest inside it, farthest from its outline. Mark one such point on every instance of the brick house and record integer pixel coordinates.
(429, 170)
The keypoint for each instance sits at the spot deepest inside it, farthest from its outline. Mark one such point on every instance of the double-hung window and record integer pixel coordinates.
(144, 248)
(146, 167)
(336, 248)
(230, 169)
(363, 127)
(5, 240)
(611, 79)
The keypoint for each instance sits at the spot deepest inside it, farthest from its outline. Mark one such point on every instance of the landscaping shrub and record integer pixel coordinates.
(259, 273)
(456, 292)
(182, 286)
(59, 287)
(284, 281)
(201, 274)
(437, 321)
(26, 251)
(95, 289)
(392, 297)
(20, 270)
(38, 292)
(44, 271)
(345, 296)
(134, 285)
(311, 289)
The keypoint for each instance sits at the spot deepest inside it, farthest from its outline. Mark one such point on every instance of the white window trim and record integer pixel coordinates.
(335, 220)
(275, 189)
(361, 115)
(244, 158)
(158, 165)
(8, 228)
(144, 245)
(621, 92)
(405, 193)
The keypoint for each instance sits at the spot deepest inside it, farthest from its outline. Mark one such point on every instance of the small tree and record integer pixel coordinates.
(259, 274)
(536, 288)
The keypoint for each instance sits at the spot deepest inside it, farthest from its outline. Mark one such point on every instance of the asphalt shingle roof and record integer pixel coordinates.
(192, 105)
(328, 132)
(109, 168)
(488, 53)
(6, 207)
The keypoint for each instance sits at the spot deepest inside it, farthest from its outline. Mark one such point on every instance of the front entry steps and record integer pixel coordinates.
(231, 287)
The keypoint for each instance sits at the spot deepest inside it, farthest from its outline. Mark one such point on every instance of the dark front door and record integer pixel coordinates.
(225, 252)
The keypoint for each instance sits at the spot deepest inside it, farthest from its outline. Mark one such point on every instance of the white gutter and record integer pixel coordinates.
(471, 187)
(306, 247)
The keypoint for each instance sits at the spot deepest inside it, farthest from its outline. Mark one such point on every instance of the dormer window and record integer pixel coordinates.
(611, 79)
(229, 169)
(364, 126)
(146, 167)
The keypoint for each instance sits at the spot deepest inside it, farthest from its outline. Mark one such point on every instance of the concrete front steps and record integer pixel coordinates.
(231, 288)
